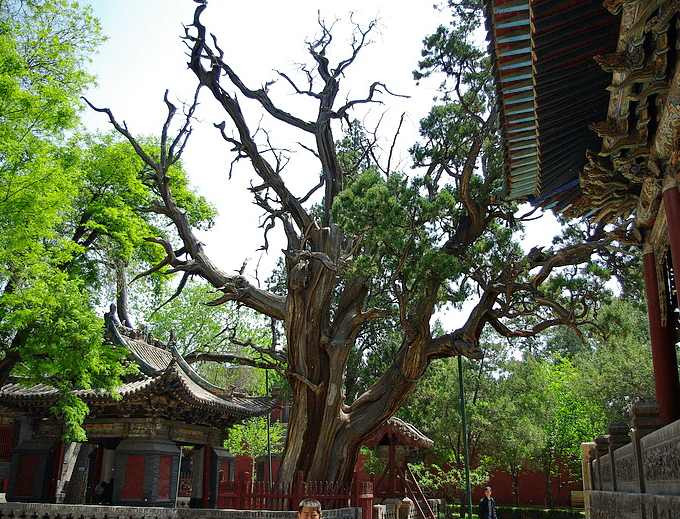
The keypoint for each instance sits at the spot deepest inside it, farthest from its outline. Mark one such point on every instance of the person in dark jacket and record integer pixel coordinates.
(487, 506)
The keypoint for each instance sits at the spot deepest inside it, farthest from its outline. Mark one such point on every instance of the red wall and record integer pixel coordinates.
(531, 490)
(531, 485)
(243, 463)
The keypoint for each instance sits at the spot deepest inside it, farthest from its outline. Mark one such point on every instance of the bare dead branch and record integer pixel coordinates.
(394, 141)
(357, 44)
(235, 287)
(301, 255)
(312, 191)
(225, 358)
(298, 90)
(178, 291)
(201, 52)
(373, 89)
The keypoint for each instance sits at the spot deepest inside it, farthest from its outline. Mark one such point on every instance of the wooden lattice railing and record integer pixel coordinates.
(246, 494)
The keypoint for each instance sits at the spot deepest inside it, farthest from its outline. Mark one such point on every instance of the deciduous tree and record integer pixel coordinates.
(73, 208)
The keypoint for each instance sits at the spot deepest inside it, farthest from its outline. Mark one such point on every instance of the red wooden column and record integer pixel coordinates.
(671, 204)
(664, 358)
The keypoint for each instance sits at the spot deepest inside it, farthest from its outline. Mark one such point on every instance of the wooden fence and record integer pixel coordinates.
(246, 494)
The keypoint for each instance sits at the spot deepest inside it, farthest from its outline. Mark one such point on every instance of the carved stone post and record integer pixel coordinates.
(645, 419)
(587, 453)
(618, 437)
(604, 473)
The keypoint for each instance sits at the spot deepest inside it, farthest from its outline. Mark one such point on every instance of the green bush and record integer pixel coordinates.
(537, 513)
(453, 511)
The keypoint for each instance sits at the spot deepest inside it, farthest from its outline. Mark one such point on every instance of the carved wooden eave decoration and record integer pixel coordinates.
(620, 172)
(640, 118)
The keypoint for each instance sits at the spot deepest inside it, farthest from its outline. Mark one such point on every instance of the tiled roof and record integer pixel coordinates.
(550, 89)
(406, 433)
(160, 370)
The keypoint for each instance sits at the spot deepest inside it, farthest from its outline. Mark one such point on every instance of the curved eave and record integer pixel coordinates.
(405, 433)
(193, 394)
(549, 89)
(191, 388)
(172, 380)
(162, 372)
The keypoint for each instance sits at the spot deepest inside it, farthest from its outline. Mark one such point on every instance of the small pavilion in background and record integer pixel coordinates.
(135, 443)
(393, 442)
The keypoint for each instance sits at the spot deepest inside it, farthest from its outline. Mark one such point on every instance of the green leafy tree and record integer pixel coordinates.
(435, 409)
(383, 245)
(584, 383)
(53, 276)
(617, 371)
(48, 331)
(514, 432)
(569, 419)
(254, 439)
(72, 208)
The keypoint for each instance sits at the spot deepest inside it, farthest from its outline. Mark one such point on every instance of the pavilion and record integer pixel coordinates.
(135, 442)
(393, 442)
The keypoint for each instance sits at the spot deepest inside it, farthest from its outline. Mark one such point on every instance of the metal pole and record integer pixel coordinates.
(269, 446)
(468, 488)
(272, 324)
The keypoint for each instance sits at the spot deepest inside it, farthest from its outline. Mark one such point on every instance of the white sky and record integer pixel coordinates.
(144, 56)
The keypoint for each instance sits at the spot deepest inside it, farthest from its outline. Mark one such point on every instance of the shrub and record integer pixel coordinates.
(537, 513)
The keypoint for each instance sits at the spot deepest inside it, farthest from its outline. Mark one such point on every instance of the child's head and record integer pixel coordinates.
(309, 509)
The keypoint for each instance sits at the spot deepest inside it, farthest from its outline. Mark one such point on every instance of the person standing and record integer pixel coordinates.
(487, 506)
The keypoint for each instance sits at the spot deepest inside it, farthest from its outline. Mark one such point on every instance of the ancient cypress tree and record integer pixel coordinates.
(382, 245)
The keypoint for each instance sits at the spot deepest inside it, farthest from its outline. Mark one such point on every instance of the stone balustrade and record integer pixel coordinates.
(51, 511)
(634, 472)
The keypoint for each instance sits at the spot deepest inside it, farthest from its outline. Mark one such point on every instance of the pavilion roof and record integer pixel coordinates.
(405, 433)
(161, 370)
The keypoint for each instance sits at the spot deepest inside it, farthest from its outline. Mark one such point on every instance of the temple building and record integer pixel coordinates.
(589, 103)
(135, 443)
